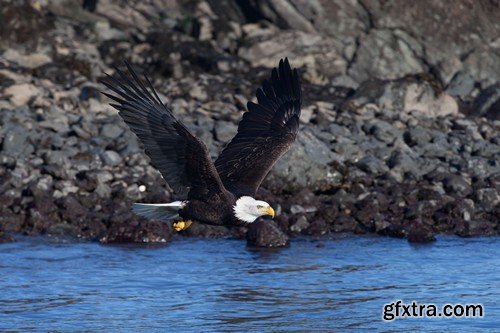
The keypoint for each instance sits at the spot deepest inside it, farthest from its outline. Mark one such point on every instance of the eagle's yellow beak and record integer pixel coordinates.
(269, 211)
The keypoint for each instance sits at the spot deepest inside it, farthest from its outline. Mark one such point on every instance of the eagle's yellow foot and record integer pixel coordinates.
(181, 225)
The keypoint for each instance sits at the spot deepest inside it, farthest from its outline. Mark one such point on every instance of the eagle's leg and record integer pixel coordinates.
(181, 225)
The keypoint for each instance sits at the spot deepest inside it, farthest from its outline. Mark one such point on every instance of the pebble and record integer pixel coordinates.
(112, 158)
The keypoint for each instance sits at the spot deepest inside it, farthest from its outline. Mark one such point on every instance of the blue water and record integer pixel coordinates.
(219, 285)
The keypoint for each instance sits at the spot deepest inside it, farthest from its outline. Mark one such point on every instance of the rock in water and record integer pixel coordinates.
(420, 233)
(266, 233)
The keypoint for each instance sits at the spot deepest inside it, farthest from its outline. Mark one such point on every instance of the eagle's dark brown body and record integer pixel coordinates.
(212, 190)
(211, 212)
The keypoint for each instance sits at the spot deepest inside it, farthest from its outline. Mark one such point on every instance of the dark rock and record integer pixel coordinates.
(89, 92)
(488, 198)
(149, 232)
(317, 227)
(457, 185)
(344, 224)
(10, 221)
(476, 227)
(372, 165)
(265, 233)
(487, 104)
(420, 233)
(403, 163)
(6, 238)
(383, 131)
(417, 136)
(206, 231)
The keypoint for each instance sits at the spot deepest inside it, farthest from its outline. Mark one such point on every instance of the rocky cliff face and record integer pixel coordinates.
(400, 129)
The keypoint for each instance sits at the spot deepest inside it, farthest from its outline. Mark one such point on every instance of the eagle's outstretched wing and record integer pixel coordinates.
(265, 133)
(181, 158)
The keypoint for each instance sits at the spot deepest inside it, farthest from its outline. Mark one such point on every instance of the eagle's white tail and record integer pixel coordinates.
(164, 212)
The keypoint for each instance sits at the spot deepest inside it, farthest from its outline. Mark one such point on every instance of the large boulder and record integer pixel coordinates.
(309, 164)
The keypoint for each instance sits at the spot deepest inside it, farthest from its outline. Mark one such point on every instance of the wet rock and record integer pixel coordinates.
(265, 233)
(383, 131)
(476, 227)
(420, 233)
(10, 221)
(6, 238)
(149, 232)
(344, 224)
(318, 227)
(206, 231)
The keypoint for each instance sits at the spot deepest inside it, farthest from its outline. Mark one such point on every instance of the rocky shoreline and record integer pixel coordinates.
(408, 155)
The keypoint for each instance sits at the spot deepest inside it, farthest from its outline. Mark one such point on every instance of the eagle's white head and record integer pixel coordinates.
(247, 209)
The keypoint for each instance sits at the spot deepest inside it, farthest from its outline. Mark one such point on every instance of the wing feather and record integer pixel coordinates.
(265, 132)
(181, 158)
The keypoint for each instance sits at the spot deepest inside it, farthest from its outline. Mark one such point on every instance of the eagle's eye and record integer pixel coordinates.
(260, 207)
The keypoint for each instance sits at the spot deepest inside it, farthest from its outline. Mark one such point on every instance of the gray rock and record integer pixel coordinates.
(461, 84)
(344, 224)
(111, 157)
(15, 141)
(409, 94)
(103, 190)
(301, 224)
(103, 176)
(225, 131)
(111, 131)
(372, 165)
(57, 157)
(294, 209)
(388, 54)
(308, 164)
(417, 136)
(457, 185)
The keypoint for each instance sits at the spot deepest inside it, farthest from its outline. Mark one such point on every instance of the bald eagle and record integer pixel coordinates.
(220, 193)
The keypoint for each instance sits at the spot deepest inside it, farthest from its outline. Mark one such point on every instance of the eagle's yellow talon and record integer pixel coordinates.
(181, 225)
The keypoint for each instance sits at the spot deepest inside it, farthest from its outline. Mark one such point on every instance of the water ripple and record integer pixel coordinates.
(220, 286)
